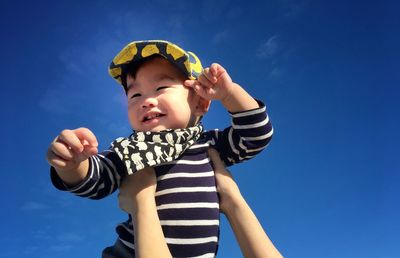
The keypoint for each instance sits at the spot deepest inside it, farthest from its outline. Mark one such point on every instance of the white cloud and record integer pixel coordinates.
(269, 48)
(275, 53)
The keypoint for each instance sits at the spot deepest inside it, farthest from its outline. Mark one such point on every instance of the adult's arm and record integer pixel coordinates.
(252, 239)
(137, 197)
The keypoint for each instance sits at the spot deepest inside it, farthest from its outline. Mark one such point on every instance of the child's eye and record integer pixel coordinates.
(135, 95)
(161, 88)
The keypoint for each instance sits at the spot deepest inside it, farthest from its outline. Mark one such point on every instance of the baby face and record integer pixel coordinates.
(157, 99)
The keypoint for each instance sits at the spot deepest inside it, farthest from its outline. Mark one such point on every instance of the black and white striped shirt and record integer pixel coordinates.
(186, 196)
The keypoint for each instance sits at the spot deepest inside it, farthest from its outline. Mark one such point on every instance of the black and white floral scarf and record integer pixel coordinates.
(143, 149)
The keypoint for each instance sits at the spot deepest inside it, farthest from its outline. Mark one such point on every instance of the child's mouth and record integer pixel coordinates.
(151, 117)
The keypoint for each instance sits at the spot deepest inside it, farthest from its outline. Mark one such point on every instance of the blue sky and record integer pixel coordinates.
(327, 186)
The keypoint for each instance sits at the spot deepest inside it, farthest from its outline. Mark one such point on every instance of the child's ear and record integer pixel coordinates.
(202, 106)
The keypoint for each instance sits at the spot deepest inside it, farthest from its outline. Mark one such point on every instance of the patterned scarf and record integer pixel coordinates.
(143, 149)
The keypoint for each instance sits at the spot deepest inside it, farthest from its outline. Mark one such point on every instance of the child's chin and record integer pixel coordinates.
(158, 128)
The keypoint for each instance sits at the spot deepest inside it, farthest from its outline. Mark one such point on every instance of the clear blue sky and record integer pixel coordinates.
(328, 184)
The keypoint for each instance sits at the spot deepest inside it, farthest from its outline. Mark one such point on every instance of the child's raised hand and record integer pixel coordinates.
(70, 148)
(213, 83)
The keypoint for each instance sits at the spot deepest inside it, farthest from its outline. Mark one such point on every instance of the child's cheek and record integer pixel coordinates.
(132, 106)
(132, 112)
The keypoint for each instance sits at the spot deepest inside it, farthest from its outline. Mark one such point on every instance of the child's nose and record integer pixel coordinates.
(149, 101)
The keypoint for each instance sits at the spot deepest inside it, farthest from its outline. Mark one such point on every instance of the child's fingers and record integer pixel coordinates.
(61, 150)
(55, 160)
(189, 83)
(214, 69)
(58, 163)
(208, 74)
(199, 88)
(192, 84)
(69, 138)
(86, 137)
(89, 150)
(205, 81)
(217, 70)
(204, 92)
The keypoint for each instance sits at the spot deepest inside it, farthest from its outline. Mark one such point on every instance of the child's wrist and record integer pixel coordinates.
(227, 99)
(238, 100)
(75, 175)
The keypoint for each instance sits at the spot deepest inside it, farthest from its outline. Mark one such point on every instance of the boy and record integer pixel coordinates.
(168, 93)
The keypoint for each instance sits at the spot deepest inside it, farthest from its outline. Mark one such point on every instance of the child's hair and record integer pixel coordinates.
(133, 67)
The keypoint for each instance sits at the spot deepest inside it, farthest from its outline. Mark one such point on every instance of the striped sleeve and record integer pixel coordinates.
(249, 134)
(103, 178)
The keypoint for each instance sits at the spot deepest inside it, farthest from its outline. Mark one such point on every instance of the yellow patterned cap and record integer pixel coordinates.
(186, 61)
